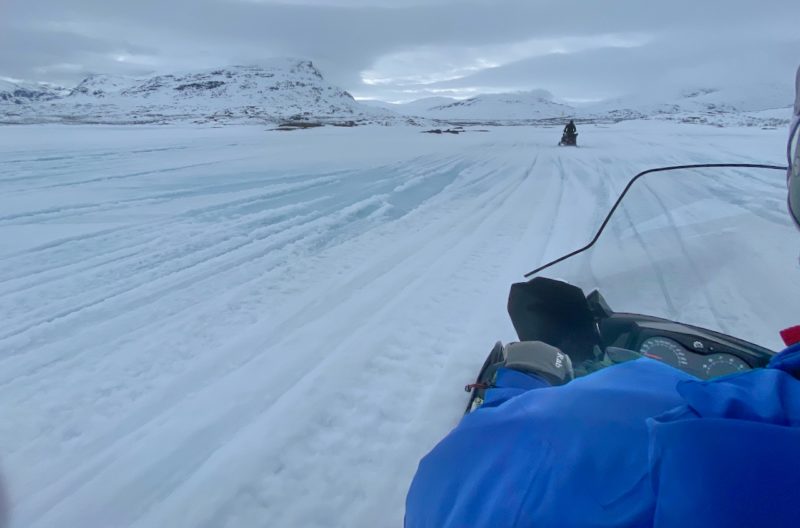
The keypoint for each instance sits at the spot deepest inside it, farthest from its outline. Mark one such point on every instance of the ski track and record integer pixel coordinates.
(205, 329)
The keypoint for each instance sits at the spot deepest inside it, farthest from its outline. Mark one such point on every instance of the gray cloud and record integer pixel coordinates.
(565, 46)
(680, 60)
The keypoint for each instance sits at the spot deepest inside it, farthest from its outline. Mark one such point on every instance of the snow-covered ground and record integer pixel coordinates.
(209, 327)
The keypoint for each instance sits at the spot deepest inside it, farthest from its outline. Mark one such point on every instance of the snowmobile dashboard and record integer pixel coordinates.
(586, 329)
(700, 352)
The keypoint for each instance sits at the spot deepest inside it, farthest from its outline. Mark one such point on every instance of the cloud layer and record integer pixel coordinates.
(406, 49)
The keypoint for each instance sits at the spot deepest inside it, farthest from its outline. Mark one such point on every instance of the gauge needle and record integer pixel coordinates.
(652, 355)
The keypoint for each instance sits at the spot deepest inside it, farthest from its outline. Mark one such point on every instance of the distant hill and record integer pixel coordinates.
(26, 93)
(714, 104)
(293, 90)
(280, 90)
(500, 108)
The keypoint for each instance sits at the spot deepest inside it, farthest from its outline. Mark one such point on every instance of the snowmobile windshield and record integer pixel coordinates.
(713, 248)
(793, 154)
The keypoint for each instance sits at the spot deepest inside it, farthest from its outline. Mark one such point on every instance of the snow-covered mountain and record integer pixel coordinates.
(280, 90)
(294, 90)
(709, 104)
(26, 93)
(756, 104)
(419, 107)
(102, 86)
(511, 107)
(422, 107)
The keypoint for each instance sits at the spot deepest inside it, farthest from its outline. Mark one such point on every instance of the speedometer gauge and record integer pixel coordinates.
(665, 350)
(722, 365)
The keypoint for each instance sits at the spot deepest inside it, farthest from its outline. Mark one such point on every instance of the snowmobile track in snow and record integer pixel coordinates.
(221, 327)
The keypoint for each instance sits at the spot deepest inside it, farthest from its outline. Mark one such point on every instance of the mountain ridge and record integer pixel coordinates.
(279, 90)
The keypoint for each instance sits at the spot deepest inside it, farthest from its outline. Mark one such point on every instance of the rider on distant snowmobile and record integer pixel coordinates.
(570, 134)
(570, 129)
(637, 444)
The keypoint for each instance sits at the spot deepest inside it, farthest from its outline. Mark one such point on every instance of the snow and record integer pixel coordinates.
(726, 99)
(275, 91)
(284, 89)
(215, 327)
(418, 107)
(14, 93)
(756, 104)
(518, 107)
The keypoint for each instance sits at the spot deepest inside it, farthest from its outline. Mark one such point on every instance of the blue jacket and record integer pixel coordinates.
(636, 444)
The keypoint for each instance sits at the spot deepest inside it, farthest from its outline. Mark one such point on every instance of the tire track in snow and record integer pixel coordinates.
(688, 258)
(378, 356)
(148, 283)
(312, 379)
(350, 367)
(225, 230)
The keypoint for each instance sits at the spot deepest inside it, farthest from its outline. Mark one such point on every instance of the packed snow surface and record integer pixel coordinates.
(209, 327)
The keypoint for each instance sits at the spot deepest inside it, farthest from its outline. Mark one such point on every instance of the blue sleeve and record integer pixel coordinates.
(728, 456)
(573, 455)
(636, 444)
(510, 383)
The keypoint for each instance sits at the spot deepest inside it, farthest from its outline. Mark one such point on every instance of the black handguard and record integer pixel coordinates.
(541, 359)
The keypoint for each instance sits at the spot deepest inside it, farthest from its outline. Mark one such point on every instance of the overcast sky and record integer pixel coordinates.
(407, 49)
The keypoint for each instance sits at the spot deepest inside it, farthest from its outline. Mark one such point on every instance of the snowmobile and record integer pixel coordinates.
(668, 253)
(568, 140)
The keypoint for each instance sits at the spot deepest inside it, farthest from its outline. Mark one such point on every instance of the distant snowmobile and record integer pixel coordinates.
(570, 136)
(568, 140)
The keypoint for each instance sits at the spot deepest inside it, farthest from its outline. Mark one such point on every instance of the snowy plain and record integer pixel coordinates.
(232, 327)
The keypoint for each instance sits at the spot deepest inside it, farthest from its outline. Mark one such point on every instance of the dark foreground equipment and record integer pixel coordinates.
(568, 140)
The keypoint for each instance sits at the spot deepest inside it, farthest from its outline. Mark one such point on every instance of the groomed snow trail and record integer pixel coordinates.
(234, 327)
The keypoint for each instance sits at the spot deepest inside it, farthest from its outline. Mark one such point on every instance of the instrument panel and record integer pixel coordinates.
(701, 352)
(704, 366)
